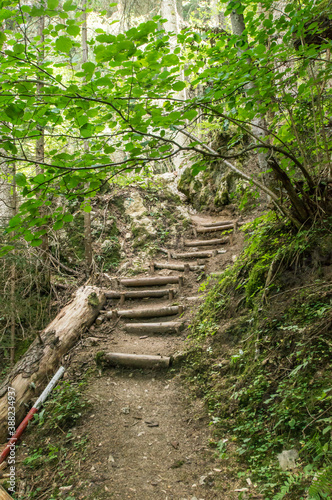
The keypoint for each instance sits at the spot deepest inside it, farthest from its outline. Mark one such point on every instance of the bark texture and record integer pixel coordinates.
(32, 373)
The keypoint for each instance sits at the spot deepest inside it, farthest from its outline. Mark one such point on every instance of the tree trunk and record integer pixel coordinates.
(87, 215)
(169, 11)
(13, 282)
(258, 124)
(30, 375)
(40, 157)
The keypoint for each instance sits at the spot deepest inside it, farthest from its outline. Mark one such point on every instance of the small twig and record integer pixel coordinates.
(318, 416)
(299, 288)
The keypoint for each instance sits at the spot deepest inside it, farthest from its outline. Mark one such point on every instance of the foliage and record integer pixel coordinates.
(57, 445)
(127, 98)
(64, 408)
(274, 391)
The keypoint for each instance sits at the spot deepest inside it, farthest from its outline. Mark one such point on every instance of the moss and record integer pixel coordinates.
(110, 253)
(141, 236)
(221, 199)
(100, 358)
(93, 300)
(75, 238)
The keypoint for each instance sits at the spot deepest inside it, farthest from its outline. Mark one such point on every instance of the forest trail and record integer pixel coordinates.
(148, 438)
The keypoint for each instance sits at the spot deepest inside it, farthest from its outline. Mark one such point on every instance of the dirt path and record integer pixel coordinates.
(148, 438)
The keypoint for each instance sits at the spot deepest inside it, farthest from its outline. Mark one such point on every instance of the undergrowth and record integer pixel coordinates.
(261, 356)
(58, 450)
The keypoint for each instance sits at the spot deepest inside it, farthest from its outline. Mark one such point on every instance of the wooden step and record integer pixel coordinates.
(110, 294)
(217, 224)
(155, 281)
(212, 229)
(175, 267)
(150, 312)
(166, 327)
(203, 243)
(203, 254)
(136, 360)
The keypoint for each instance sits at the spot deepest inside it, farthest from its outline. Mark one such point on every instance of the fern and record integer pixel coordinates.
(286, 488)
(321, 487)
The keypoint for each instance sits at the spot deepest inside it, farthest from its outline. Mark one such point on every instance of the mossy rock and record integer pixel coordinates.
(141, 235)
(222, 198)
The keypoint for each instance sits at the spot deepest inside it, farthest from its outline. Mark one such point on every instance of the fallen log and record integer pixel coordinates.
(203, 243)
(167, 327)
(176, 267)
(194, 255)
(151, 312)
(137, 360)
(140, 294)
(30, 375)
(4, 495)
(155, 281)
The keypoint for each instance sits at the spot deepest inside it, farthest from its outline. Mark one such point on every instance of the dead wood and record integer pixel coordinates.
(137, 360)
(30, 375)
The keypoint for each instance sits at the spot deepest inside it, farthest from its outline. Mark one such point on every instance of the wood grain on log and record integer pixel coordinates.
(176, 267)
(216, 228)
(30, 375)
(203, 243)
(4, 495)
(137, 360)
(204, 254)
(155, 281)
(151, 312)
(138, 294)
(167, 327)
(217, 224)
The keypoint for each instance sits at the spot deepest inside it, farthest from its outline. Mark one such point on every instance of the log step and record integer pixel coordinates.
(215, 228)
(203, 254)
(167, 327)
(151, 312)
(175, 267)
(217, 224)
(202, 243)
(155, 281)
(137, 360)
(110, 294)
(219, 227)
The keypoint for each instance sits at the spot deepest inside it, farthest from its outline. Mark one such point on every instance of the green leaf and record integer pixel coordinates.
(52, 4)
(88, 68)
(63, 44)
(14, 221)
(20, 179)
(73, 30)
(68, 5)
(178, 86)
(58, 225)
(5, 14)
(36, 242)
(14, 112)
(170, 60)
(67, 218)
(87, 208)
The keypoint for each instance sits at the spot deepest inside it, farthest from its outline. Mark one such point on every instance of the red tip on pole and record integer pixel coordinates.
(19, 431)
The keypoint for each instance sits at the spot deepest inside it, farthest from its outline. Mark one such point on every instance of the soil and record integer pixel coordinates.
(147, 437)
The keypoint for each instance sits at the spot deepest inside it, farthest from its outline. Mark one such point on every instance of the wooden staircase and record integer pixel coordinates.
(142, 290)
